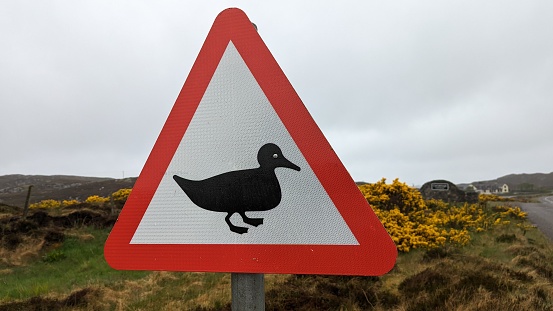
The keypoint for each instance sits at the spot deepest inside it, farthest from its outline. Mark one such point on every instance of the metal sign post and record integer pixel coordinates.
(248, 291)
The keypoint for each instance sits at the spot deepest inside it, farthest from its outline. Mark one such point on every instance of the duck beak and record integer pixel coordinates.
(289, 164)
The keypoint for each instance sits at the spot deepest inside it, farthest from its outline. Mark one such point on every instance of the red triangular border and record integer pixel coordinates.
(376, 253)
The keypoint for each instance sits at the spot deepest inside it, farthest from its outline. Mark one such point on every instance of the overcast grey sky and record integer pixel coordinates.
(419, 90)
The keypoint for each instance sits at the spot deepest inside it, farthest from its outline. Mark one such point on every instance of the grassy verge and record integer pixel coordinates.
(504, 268)
(75, 263)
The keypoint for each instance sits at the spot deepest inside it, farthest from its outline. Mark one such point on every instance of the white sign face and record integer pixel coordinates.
(233, 120)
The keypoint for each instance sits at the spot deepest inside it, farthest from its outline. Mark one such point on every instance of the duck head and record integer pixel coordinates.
(270, 156)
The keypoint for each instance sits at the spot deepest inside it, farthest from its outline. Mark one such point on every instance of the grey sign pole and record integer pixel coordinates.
(248, 291)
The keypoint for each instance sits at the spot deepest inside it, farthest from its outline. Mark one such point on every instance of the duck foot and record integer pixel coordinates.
(233, 228)
(251, 221)
(239, 230)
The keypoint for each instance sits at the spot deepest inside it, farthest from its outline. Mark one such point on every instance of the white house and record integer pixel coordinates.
(490, 189)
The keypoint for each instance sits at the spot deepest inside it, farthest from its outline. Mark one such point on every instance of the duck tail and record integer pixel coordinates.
(182, 182)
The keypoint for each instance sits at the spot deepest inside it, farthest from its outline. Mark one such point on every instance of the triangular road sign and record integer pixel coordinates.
(241, 179)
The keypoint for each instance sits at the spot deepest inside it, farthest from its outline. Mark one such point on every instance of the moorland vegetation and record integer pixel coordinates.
(451, 257)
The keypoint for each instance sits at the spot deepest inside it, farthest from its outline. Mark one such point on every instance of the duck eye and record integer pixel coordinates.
(275, 156)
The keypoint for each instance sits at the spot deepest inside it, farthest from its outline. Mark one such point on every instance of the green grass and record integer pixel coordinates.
(75, 264)
(504, 267)
(78, 263)
(516, 274)
(183, 291)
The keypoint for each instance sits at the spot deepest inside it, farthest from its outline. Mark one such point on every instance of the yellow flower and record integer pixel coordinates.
(46, 204)
(95, 199)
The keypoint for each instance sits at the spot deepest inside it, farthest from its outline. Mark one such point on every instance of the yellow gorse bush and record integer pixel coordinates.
(69, 202)
(509, 211)
(395, 195)
(46, 204)
(121, 195)
(493, 198)
(415, 223)
(53, 203)
(95, 199)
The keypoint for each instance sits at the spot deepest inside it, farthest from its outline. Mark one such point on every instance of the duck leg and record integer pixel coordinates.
(251, 221)
(234, 228)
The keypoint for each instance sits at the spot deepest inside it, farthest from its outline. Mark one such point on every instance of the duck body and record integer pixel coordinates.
(237, 191)
(241, 191)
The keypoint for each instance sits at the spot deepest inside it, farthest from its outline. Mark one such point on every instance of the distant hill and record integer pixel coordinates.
(13, 188)
(518, 182)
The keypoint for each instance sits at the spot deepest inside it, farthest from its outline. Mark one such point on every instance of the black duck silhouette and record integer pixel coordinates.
(241, 191)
